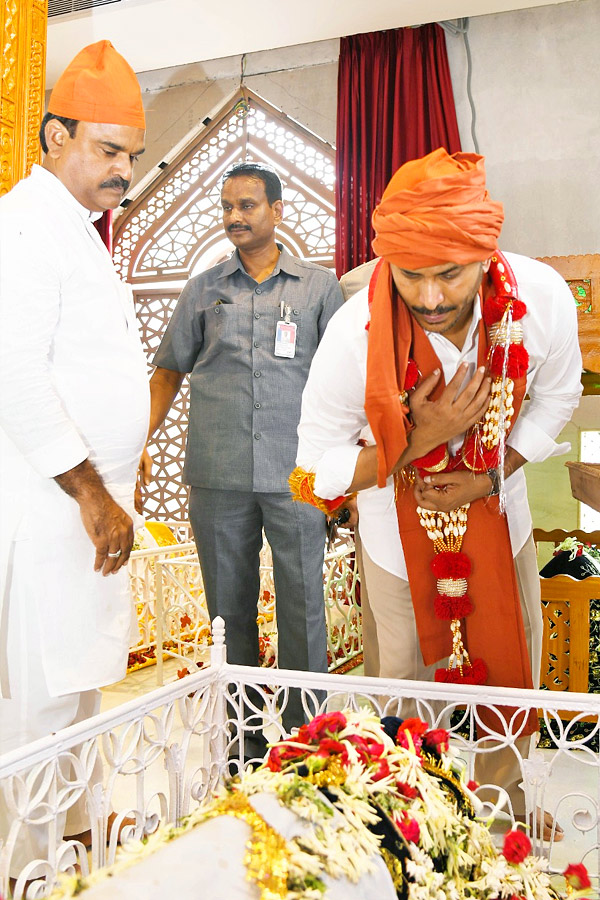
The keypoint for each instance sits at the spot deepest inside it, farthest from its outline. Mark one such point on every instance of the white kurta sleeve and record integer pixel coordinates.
(31, 412)
(333, 414)
(555, 386)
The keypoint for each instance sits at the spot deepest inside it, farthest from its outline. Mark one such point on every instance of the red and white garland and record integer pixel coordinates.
(482, 449)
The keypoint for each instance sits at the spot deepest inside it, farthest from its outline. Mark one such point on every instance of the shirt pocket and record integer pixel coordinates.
(227, 329)
(307, 333)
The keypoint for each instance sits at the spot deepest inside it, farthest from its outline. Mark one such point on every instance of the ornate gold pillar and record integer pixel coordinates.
(23, 36)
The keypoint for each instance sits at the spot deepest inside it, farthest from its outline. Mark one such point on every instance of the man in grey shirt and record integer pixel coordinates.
(247, 330)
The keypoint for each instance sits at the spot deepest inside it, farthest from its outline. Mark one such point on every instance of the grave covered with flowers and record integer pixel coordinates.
(349, 805)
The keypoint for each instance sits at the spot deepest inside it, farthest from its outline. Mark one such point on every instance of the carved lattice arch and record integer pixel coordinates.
(173, 230)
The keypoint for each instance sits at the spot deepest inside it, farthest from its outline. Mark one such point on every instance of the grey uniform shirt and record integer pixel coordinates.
(245, 401)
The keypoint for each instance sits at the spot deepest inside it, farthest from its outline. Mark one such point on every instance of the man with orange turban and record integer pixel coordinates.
(74, 410)
(414, 400)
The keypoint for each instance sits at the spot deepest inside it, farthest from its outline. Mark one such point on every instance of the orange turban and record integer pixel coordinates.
(437, 210)
(99, 86)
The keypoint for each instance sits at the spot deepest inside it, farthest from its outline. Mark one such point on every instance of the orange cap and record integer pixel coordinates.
(437, 210)
(99, 86)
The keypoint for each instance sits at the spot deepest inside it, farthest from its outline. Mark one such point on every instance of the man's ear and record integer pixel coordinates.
(56, 137)
(277, 208)
(485, 265)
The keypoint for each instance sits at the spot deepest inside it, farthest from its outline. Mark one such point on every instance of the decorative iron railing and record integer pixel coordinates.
(156, 758)
(173, 621)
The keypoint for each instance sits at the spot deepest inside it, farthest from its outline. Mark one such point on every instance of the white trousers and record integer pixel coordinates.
(31, 713)
(391, 649)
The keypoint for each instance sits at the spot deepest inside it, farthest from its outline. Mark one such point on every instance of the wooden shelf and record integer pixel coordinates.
(585, 482)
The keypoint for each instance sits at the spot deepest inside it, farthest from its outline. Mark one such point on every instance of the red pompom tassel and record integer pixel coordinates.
(495, 307)
(474, 674)
(449, 608)
(518, 361)
(412, 375)
(451, 565)
(518, 310)
(493, 310)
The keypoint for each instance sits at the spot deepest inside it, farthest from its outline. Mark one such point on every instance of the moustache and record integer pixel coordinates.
(440, 311)
(231, 228)
(116, 182)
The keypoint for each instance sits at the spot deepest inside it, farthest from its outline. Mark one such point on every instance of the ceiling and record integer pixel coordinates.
(155, 34)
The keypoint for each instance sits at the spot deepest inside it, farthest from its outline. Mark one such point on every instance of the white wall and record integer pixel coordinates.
(300, 80)
(536, 89)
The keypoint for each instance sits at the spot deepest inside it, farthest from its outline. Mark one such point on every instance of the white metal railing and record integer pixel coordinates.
(164, 754)
(173, 621)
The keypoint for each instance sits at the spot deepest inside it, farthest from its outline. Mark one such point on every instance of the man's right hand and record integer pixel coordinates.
(438, 421)
(110, 530)
(108, 526)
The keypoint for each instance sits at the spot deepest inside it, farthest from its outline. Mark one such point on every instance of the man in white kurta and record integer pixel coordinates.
(442, 235)
(74, 410)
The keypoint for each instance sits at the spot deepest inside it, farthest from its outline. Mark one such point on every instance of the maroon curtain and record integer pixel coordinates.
(395, 103)
(104, 225)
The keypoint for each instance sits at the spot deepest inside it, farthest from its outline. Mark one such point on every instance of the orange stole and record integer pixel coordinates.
(494, 631)
(393, 336)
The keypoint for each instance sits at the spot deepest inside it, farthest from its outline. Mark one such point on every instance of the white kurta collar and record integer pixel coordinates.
(50, 182)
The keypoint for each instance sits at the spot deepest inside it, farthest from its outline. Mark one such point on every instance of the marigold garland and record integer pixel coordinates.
(302, 487)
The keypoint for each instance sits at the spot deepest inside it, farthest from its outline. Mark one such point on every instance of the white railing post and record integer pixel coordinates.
(218, 659)
(160, 611)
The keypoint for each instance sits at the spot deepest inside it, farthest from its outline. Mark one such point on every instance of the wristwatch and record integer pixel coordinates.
(494, 475)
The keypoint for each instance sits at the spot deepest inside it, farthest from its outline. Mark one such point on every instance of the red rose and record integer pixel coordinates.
(283, 753)
(358, 741)
(414, 725)
(410, 829)
(382, 771)
(303, 736)
(326, 724)
(406, 790)
(374, 749)
(577, 876)
(329, 747)
(274, 759)
(415, 728)
(402, 740)
(437, 739)
(289, 751)
(516, 846)
(472, 785)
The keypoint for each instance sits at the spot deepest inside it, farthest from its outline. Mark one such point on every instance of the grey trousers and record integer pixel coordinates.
(227, 528)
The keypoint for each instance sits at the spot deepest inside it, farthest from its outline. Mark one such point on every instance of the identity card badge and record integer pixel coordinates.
(285, 335)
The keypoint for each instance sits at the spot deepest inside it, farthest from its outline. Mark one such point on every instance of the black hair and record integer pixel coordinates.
(70, 125)
(268, 176)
